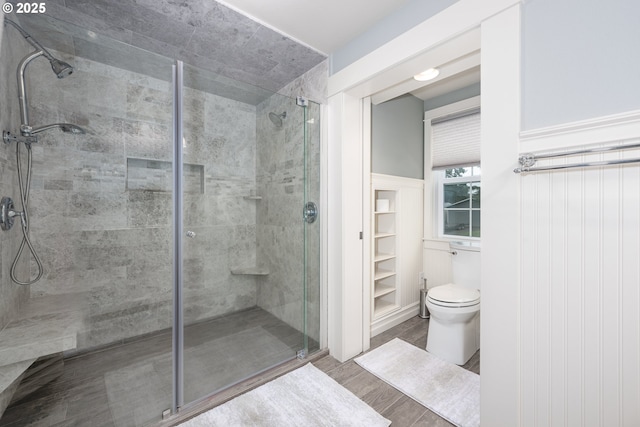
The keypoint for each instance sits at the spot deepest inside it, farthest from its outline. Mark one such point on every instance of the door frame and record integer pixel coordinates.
(499, 24)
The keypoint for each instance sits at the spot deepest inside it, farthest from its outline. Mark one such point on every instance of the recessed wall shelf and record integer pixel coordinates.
(251, 271)
(384, 287)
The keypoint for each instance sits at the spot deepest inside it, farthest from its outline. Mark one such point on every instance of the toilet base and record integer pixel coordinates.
(454, 342)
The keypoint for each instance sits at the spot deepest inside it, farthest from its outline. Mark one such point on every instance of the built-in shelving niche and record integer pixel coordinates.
(157, 176)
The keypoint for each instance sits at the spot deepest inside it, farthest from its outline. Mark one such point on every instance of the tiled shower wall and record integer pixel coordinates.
(12, 49)
(101, 203)
(101, 235)
(280, 226)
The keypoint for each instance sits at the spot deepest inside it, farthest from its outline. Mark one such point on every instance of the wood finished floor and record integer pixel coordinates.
(395, 406)
(79, 396)
(130, 384)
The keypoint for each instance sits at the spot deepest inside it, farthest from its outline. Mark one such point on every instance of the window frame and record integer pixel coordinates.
(441, 180)
(432, 178)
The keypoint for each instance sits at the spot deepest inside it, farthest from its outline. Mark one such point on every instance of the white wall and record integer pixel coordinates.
(412, 13)
(579, 60)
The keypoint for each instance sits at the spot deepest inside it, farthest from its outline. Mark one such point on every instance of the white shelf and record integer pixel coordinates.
(383, 274)
(381, 290)
(383, 307)
(384, 283)
(380, 235)
(383, 257)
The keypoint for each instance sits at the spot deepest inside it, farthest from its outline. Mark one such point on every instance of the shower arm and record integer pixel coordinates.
(25, 129)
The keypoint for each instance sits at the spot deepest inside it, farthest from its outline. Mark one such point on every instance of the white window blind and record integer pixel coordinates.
(455, 141)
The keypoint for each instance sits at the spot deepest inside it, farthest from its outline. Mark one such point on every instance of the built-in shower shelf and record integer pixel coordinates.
(45, 326)
(252, 197)
(251, 271)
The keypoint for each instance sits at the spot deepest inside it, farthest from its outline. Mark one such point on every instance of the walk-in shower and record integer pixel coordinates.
(111, 223)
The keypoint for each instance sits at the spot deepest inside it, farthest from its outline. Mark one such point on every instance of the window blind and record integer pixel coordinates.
(455, 141)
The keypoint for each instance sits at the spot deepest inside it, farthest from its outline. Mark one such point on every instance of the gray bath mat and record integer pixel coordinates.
(304, 397)
(447, 389)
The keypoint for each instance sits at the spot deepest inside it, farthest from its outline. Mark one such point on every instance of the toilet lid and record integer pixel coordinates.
(454, 294)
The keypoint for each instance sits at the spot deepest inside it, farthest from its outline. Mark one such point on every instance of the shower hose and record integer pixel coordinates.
(24, 217)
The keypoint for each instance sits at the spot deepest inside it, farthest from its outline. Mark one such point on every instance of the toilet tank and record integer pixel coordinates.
(466, 264)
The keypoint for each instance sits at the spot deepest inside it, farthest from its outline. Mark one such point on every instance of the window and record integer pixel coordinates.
(460, 201)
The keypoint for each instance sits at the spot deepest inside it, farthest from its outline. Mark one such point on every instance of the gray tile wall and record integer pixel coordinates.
(111, 244)
(280, 176)
(12, 296)
(97, 237)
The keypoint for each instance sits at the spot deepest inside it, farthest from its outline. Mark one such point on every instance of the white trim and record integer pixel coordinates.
(457, 19)
(615, 127)
(456, 107)
(500, 27)
(431, 184)
(324, 131)
(366, 223)
(500, 382)
(395, 319)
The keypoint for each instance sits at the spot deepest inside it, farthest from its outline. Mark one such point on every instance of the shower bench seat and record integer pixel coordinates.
(45, 326)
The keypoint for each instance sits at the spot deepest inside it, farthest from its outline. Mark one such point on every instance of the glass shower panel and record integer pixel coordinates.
(243, 291)
(101, 214)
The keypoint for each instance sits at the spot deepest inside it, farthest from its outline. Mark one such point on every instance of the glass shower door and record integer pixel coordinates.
(243, 284)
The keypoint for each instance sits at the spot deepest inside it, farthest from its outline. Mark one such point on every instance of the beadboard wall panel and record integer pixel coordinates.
(580, 294)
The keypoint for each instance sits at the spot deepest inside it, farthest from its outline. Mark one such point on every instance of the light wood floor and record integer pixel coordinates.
(131, 384)
(395, 406)
(80, 396)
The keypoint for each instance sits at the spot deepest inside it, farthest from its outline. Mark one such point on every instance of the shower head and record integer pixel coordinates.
(64, 127)
(60, 68)
(276, 119)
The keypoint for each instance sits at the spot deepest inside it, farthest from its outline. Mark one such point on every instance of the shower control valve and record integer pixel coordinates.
(7, 213)
(8, 138)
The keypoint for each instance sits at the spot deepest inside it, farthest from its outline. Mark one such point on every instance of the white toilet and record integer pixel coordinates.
(454, 326)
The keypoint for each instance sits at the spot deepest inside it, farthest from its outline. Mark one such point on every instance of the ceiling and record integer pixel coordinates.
(324, 25)
(347, 19)
(144, 35)
(279, 43)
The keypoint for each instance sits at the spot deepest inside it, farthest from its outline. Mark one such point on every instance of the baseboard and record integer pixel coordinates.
(394, 319)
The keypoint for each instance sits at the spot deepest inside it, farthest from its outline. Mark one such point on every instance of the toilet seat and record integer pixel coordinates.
(452, 295)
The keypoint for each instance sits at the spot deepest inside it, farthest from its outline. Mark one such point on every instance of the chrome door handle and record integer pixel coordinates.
(191, 234)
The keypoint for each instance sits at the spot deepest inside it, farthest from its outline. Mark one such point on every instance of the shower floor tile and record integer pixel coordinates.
(131, 384)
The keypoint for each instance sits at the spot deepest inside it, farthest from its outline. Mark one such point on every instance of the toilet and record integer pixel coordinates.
(454, 326)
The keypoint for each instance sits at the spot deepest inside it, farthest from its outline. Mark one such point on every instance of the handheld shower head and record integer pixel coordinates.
(60, 68)
(64, 127)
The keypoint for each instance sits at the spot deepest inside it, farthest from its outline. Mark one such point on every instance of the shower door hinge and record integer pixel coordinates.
(302, 102)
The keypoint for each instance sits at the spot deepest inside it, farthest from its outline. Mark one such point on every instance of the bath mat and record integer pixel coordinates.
(304, 397)
(447, 389)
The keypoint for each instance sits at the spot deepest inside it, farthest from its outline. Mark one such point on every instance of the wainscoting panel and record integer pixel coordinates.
(580, 295)
(437, 262)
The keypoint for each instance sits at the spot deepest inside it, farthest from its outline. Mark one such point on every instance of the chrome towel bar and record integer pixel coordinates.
(527, 161)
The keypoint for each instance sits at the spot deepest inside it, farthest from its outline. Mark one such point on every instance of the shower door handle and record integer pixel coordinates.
(310, 212)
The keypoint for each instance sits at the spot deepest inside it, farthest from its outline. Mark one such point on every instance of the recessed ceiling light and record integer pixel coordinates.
(429, 74)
